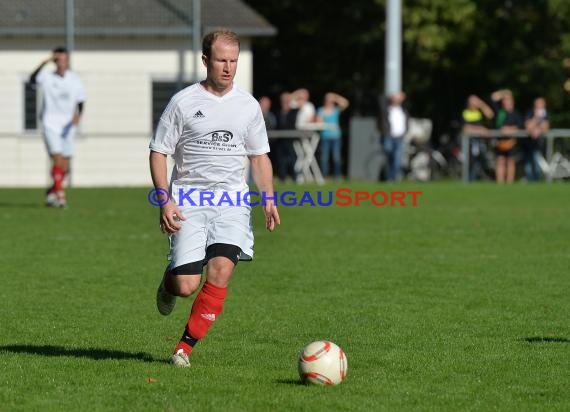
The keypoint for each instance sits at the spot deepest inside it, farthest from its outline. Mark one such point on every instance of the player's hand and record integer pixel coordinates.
(272, 219)
(75, 120)
(170, 215)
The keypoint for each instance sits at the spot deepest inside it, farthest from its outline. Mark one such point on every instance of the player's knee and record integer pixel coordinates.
(58, 160)
(220, 277)
(186, 289)
(186, 286)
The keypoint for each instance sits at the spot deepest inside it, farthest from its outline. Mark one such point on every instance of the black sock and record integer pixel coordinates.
(189, 340)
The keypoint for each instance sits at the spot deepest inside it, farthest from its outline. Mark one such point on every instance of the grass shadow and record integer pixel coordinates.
(546, 339)
(290, 382)
(91, 353)
(37, 205)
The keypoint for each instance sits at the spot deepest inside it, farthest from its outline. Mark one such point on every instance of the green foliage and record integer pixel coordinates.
(433, 27)
(460, 303)
(452, 48)
(497, 45)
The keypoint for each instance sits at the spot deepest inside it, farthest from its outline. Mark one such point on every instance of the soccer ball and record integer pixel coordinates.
(322, 363)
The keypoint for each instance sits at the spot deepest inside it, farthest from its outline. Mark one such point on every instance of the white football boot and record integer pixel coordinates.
(51, 199)
(61, 200)
(180, 359)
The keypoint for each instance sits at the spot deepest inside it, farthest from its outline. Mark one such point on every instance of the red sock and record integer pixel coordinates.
(57, 175)
(207, 306)
(185, 346)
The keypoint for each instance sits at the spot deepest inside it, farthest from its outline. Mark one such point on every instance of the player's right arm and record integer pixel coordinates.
(169, 212)
(34, 75)
(164, 143)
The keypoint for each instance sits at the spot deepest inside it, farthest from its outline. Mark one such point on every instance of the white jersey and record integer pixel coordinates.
(209, 137)
(397, 119)
(305, 115)
(61, 94)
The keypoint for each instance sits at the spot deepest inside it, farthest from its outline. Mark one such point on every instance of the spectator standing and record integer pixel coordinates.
(393, 125)
(537, 123)
(306, 115)
(268, 116)
(509, 121)
(473, 119)
(285, 153)
(331, 135)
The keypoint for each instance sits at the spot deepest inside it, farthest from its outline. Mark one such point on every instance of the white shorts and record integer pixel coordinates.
(206, 225)
(60, 140)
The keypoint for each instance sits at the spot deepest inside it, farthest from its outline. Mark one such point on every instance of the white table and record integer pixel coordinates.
(305, 143)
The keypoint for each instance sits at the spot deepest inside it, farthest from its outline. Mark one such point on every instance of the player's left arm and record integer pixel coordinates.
(78, 113)
(80, 100)
(262, 172)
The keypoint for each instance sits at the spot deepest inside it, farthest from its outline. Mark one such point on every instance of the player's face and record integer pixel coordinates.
(222, 65)
(61, 61)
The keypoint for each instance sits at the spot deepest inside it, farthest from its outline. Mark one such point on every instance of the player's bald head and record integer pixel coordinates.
(218, 35)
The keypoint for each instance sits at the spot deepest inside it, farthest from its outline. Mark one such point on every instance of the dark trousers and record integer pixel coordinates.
(286, 158)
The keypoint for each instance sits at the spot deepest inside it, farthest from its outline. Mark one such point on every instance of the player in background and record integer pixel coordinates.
(62, 106)
(208, 128)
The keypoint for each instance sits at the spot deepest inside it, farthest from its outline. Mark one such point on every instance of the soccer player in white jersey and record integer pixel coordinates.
(63, 100)
(209, 128)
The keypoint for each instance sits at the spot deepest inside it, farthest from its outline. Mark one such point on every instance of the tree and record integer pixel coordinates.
(451, 48)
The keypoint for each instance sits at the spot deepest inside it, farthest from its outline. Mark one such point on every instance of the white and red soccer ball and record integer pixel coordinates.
(322, 363)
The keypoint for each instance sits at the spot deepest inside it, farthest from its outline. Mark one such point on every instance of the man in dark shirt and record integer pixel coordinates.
(474, 117)
(286, 157)
(536, 124)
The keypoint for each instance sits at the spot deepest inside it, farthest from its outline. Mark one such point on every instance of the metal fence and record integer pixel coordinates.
(552, 161)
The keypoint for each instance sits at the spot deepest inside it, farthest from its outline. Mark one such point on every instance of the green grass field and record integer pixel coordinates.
(460, 303)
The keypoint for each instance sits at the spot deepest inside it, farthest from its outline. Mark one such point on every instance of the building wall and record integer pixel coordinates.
(112, 144)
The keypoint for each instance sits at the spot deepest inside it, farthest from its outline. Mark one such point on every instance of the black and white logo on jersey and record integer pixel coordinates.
(223, 136)
(198, 114)
(218, 141)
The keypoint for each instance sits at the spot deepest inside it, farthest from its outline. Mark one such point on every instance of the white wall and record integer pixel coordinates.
(99, 161)
(112, 145)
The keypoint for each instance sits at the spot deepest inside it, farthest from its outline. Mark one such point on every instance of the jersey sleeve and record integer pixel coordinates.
(41, 76)
(168, 131)
(80, 92)
(257, 142)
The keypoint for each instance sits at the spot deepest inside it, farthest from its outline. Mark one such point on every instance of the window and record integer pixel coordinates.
(162, 92)
(30, 106)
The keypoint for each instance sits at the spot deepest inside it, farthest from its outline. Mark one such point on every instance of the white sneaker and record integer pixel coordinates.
(51, 199)
(180, 359)
(164, 301)
(61, 201)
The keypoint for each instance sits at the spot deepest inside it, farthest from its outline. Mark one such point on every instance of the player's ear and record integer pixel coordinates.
(205, 60)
